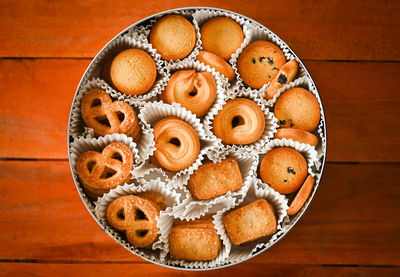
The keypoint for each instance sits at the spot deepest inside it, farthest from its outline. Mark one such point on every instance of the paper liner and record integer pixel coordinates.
(81, 145)
(144, 32)
(270, 121)
(145, 145)
(114, 47)
(138, 33)
(256, 191)
(138, 36)
(151, 113)
(166, 223)
(192, 208)
(200, 67)
(306, 150)
(311, 156)
(292, 219)
(261, 33)
(157, 186)
(203, 15)
(307, 84)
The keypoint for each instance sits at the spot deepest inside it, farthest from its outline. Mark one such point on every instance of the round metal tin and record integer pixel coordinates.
(293, 220)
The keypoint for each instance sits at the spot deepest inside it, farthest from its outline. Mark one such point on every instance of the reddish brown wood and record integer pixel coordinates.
(352, 219)
(361, 109)
(351, 227)
(34, 111)
(333, 30)
(26, 269)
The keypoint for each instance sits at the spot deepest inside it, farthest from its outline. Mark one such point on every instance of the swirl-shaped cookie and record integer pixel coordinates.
(137, 217)
(195, 91)
(100, 172)
(241, 121)
(177, 144)
(107, 117)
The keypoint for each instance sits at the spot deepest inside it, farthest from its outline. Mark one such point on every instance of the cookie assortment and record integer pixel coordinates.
(197, 138)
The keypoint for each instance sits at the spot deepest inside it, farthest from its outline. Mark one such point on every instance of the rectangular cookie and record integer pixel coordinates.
(214, 179)
(250, 222)
(194, 240)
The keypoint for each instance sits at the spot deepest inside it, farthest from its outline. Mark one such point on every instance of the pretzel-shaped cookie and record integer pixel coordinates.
(100, 172)
(107, 117)
(196, 91)
(137, 217)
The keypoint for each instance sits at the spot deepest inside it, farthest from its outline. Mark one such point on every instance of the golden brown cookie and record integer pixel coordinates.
(137, 217)
(286, 74)
(284, 169)
(100, 172)
(177, 144)
(195, 91)
(221, 36)
(173, 36)
(219, 64)
(156, 198)
(241, 121)
(296, 135)
(259, 63)
(214, 179)
(195, 240)
(301, 196)
(107, 117)
(250, 222)
(133, 72)
(297, 108)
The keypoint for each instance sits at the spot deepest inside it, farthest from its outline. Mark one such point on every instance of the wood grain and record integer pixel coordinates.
(26, 269)
(333, 30)
(361, 109)
(352, 219)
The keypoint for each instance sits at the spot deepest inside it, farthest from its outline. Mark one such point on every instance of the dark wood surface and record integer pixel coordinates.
(352, 52)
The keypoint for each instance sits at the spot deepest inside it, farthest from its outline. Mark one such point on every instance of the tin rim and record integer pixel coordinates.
(293, 221)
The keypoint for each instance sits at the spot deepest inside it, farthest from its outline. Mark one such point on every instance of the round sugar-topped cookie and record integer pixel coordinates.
(221, 36)
(133, 72)
(173, 36)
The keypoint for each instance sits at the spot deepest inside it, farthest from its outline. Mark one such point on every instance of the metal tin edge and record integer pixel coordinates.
(292, 223)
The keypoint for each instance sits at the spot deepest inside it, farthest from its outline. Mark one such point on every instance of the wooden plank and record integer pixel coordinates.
(35, 110)
(352, 219)
(337, 30)
(359, 108)
(26, 269)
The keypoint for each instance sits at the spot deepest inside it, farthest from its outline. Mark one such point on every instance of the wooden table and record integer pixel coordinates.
(352, 50)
